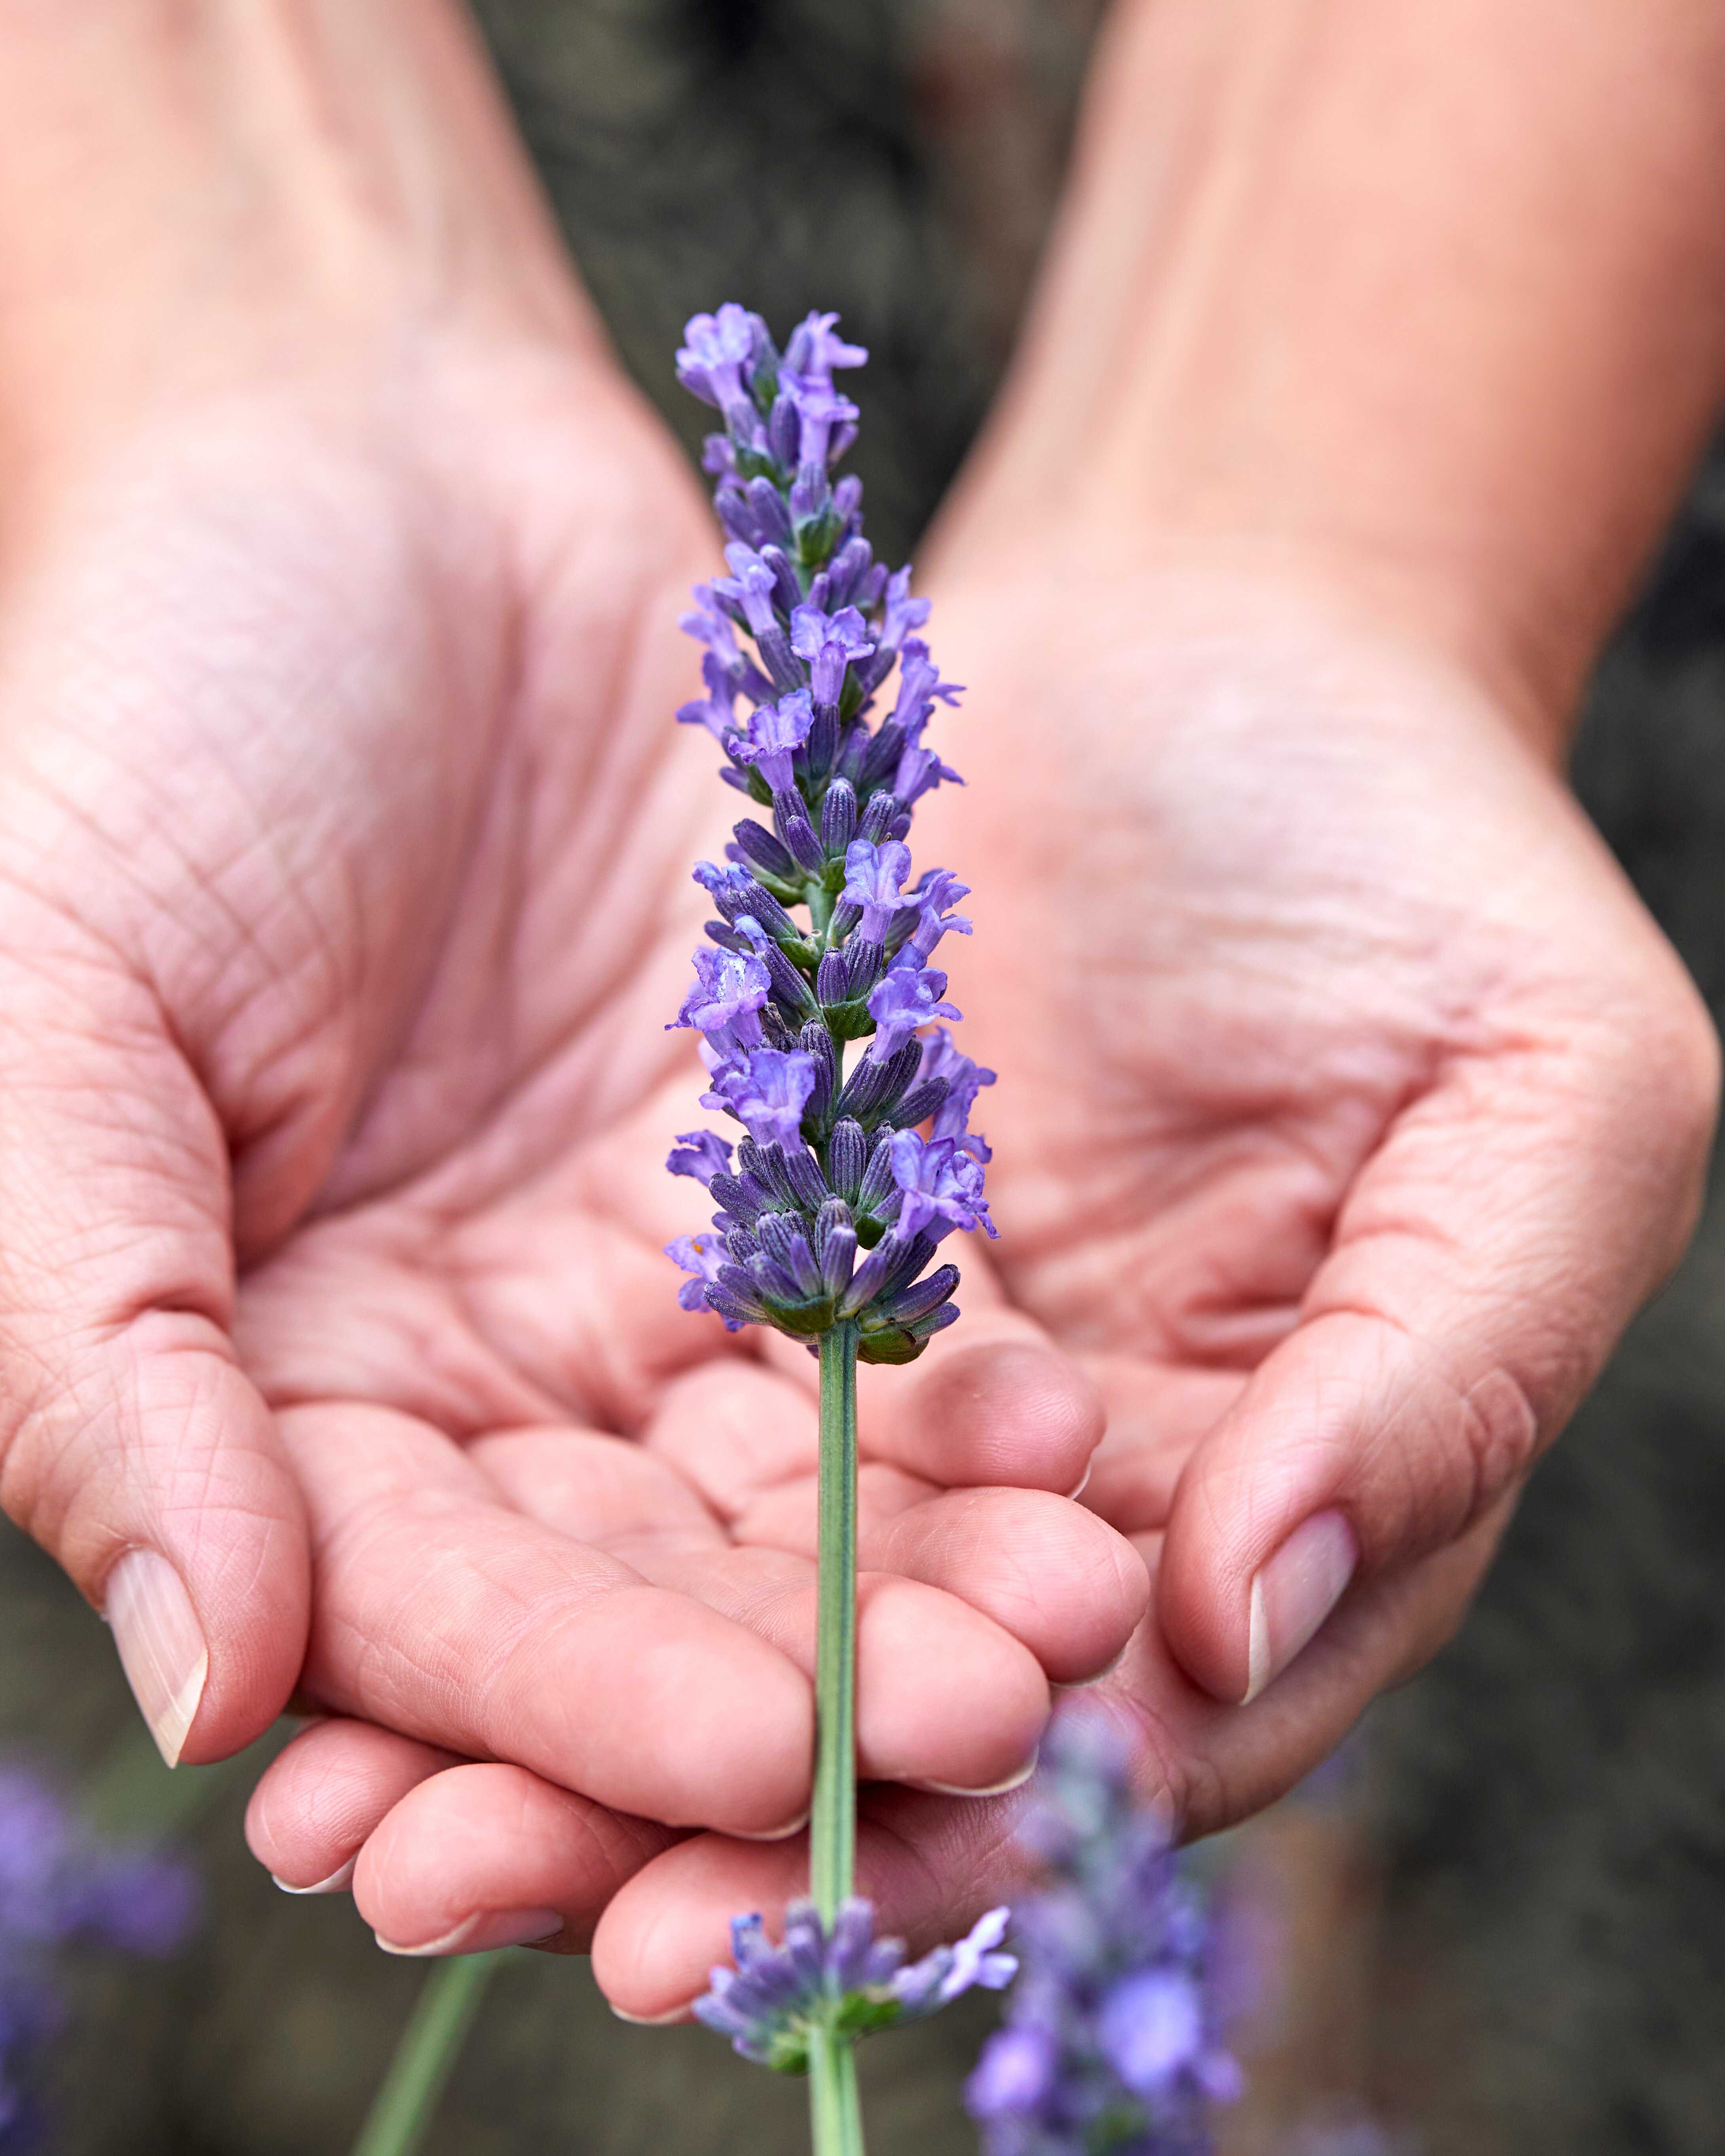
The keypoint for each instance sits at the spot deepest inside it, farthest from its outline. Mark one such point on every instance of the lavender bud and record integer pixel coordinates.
(788, 983)
(770, 1281)
(784, 1242)
(775, 648)
(831, 977)
(877, 1181)
(838, 824)
(741, 1245)
(866, 1280)
(838, 1260)
(834, 1213)
(911, 1303)
(803, 1171)
(853, 749)
(787, 592)
(772, 521)
(784, 432)
(847, 1158)
(759, 846)
(775, 1169)
(877, 818)
(863, 968)
(823, 739)
(918, 1106)
(884, 753)
(865, 1089)
(790, 819)
(912, 1257)
(732, 1194)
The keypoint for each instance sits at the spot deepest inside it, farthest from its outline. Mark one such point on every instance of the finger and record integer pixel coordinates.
(995, 1407)
(319, 1799)
(135, 1450)
(484, 1856)
(929, 1865)
(1480, 1273)
(1052, 1574)
(944, 1695)
(442, 1614)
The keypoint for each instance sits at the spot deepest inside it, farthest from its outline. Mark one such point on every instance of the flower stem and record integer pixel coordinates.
(832, 1839)
(426, 2056)
(834, 2113)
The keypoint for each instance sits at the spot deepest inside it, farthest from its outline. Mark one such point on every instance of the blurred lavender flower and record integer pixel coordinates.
(1110, 2046)
(835, 1206)
(60, 1887)
(766, 2004)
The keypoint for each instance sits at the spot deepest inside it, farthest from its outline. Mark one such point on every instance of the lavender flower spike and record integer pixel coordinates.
(1110, 2046)
(829, 1213)
(769, 2004)
(824, 935)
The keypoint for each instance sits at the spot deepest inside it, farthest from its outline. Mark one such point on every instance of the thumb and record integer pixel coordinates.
(132, 1444)
(1480, 1272)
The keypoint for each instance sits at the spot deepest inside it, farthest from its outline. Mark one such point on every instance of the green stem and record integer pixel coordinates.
(834, 2113)
(832, 1836)
(426, 2056)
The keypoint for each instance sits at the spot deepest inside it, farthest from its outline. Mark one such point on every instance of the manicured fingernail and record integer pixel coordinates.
(1015, 1780)
(1294, 1592)
(654, 2020)
(162, 1645)
(338, 1882)
(772, 1834)
(484, 1933)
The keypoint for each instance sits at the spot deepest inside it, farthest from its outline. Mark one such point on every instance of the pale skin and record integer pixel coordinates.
(1350, 1102)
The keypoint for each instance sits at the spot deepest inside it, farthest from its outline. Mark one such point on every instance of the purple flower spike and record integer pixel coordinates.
(822, 936)
(774, 1996)
(1111, 2040)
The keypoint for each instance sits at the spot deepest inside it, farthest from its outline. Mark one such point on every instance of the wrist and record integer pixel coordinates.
(198, 200)
(1298, 589)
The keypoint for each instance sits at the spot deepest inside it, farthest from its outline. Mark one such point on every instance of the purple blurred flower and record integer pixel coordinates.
(768, 2003)
(60, 1887)
(1111, 2044)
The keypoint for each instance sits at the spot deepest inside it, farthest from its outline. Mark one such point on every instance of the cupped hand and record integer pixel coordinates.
(1354, 1104)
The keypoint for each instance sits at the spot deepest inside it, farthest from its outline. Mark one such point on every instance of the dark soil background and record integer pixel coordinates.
(1547, 1837)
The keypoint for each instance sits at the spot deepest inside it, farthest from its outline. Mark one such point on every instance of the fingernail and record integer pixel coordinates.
(1294, 1592)
(484, 1933)
(162, 1645)
(1015, 1780)
(1082, 1484)
(338, 1882)
(775, 1833)
(653, 2020)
